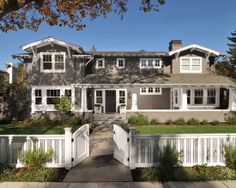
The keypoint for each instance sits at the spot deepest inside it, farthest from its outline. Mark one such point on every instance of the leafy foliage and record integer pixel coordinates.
(17, 14)
(215, 122)
(180, 121)
(150, 174)
(63, 105)
(231, 119)
(138, 120)
(193, 121)
(169, 122)
(230, 156)
(154, 121)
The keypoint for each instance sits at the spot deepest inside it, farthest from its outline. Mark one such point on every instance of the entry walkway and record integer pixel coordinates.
(100, 166)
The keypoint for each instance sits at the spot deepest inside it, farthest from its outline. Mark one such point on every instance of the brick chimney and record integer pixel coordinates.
(175, 44)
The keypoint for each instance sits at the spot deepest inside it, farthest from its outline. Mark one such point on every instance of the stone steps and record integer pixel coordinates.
(109, 119)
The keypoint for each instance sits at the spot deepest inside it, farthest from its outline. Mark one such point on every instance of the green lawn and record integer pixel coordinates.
(34, 127)
(187, 129)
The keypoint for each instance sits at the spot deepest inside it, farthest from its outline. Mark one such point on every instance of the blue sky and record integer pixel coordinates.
(205, 22)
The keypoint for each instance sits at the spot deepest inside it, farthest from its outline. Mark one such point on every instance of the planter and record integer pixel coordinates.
(97, 109)
(122, 109)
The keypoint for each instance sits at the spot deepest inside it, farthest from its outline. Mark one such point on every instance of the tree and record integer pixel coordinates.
(19, 14)
(232, 48)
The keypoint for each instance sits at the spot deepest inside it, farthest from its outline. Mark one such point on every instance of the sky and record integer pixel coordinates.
(204, 22)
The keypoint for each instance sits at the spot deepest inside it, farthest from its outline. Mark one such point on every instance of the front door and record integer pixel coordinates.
(110, 101)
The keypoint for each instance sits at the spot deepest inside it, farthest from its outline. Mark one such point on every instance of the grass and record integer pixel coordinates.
(172, 129)
(35, 127)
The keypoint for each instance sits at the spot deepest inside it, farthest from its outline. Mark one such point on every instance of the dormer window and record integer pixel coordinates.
(100, 63)
(52, 62)
(154, 63)
(120, 63)
(190, 65)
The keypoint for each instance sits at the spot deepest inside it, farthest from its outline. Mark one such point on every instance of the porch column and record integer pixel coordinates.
(183, 101)
(84, 99)
(134, 102)
(232, 100)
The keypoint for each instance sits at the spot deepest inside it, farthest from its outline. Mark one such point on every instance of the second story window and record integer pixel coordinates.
(53, 62)
(100, 63)
(154, 63)
(190, 65)
(120, 63)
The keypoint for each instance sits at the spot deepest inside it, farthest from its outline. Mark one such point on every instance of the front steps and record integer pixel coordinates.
(109, 119)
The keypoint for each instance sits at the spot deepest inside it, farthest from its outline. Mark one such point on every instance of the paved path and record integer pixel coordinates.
(100, 166)
(211, 184)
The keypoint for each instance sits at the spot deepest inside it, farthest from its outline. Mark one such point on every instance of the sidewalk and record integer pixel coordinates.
(210, 184)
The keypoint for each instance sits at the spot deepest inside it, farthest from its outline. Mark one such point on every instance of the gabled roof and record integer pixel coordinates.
(50, 40)
(195, 47)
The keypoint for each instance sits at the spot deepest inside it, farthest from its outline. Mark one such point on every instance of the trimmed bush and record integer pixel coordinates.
(73, 120)
(180, 121)
(230, 119)
(150, 174)
(138, 120)
(169, 122)
(230, 156)
(204, 122)
(155, 121)
(193, 121)
(215, 122)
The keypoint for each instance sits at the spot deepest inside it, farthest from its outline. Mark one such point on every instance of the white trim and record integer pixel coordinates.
(172, 110)
(117, 63)
(103, 63)
(150, 93)
(44, 107)
(194, 46)
(53, 70)
(153, 63)
(190, 65)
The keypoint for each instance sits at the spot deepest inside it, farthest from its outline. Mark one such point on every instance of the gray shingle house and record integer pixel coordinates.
(178, 83)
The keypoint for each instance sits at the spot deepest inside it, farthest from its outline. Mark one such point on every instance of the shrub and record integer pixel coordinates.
(230, 156)
(87, 120)
(204, 122)
(138, 120)
(180, 121)
(33, 160)
(63, 105)
(169, 160)
(73, 120)
(225, 173)
(155, 121)
(215, 122)
(169, 122)
(150, 174)
(231, 119)
(202, 171)
(193, 121)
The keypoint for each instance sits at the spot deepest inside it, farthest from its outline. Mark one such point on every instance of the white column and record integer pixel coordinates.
(134, 102)
(183, 101)
(68, 148)
(232, 100)
(84, 99)
(72, 98)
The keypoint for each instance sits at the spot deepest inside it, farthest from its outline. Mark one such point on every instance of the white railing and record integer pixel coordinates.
(61, 145)
(144, 150)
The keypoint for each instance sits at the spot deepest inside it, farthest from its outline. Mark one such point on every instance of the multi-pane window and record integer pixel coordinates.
(68, 93)
(150, 63)
(98, 97)
(53, 96)
(211, 96)
(100, 63)
(38, 96)
(198, 96)
(150, 91)
(122, 97)
(190, 65)
(53, 62)
(120, 62)
(176, 97)
(188, 96)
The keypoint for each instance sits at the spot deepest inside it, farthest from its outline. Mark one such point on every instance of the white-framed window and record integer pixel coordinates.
(68, 93)
(99, 97)
(38, 96)
(53, 96)
(198, 96)
(52, 61)
(190, 65)
(122, 96)
(211, 96)
(120, 63)
(100, 63)
(150, 91)
(154, 63)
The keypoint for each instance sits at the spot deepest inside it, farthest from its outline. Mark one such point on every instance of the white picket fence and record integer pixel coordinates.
(62, 145)
(144, 150)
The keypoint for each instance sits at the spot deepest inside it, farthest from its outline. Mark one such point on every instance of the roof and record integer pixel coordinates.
(197, 47)
(159, 79)
(129, 53)
(28, 47)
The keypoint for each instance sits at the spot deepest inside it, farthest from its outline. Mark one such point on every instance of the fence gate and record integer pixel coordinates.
(80, 144)
(121, 148)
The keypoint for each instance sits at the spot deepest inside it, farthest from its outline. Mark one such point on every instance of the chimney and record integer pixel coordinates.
(175, 44)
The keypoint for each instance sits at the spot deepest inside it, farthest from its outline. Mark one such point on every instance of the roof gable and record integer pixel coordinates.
(195, 47)
(50, 40)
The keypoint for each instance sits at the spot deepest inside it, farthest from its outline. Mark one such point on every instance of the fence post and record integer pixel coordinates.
(132, 133)
(68, 148)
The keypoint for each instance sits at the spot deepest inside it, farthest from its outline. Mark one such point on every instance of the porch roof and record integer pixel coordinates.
(159, 79)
